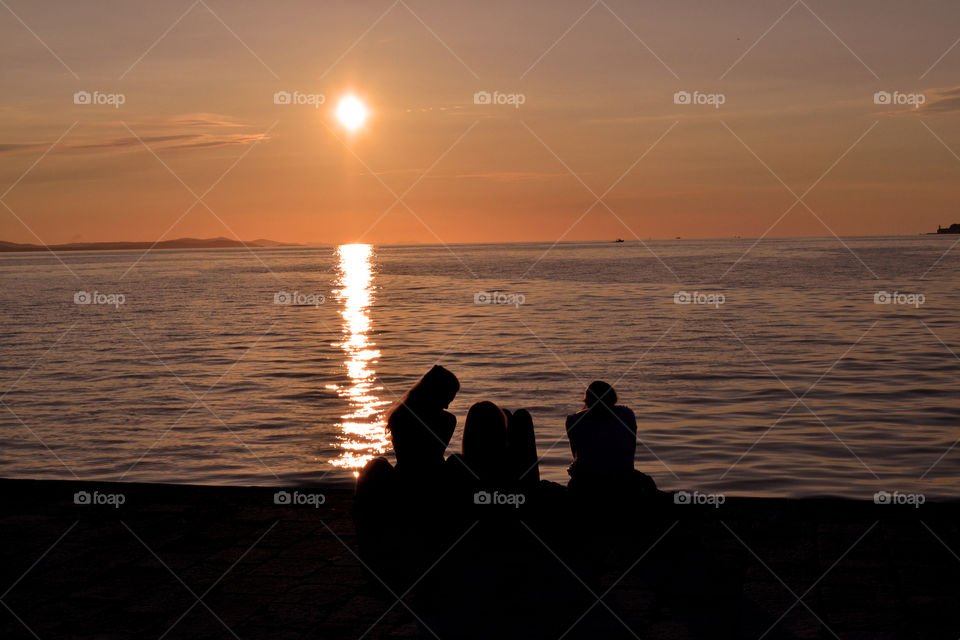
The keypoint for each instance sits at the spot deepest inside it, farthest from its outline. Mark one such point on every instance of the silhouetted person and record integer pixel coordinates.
(603, 435)
(522, 449)
(420, 426)
(603, 483)
(396, 527)
(499, 581)
(483, 449)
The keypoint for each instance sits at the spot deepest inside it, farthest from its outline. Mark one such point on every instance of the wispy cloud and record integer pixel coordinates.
(123, 143)
(935, 101)
(191, 120)
(513, 176)
(15, 147)
(205, 142)
(943, 101)
(191, 131)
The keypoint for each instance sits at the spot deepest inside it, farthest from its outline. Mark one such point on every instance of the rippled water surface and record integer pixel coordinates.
(276, 366)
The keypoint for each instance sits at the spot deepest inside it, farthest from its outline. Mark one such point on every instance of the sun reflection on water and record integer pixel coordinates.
(363, 435)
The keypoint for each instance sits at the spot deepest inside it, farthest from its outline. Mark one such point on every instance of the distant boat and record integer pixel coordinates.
(954, 228)
(619, 240)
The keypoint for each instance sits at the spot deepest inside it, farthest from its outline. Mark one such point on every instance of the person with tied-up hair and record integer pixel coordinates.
(603, 435)
(603, 441)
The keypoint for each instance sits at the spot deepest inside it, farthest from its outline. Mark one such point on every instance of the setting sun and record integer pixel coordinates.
(351, 112)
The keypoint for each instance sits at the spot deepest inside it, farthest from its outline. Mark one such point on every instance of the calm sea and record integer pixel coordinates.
(802, 366)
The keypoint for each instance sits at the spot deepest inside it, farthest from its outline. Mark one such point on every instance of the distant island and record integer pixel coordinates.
(179, 243)
(954, 228)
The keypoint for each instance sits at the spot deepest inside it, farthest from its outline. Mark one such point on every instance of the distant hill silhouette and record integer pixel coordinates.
(179, 243)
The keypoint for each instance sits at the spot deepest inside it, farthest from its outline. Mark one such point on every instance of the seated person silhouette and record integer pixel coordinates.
(420, 425)
(420, 428)
(395, 526)
(498, 454)
(482, 461)
(603, 435)
(524, 463)
(603, 440)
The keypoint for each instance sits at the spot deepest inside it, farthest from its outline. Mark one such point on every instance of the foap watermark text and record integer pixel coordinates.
(499, 297)
(895, 497)
(115, 500)
(695, 497)
(297, 299)
(912, 299)
(714, 100)
(298, 498)
(299, 98)
(99, 98)
(899, 99)
(514, 500)
(85, 297)
(499, 98)
(712, 299)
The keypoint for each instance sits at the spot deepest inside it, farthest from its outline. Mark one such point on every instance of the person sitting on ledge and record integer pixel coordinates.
(420, 425)
(603, 440)
(603, 435)
(482, 461)
(498, 460)
(395, 529)
(522, 449)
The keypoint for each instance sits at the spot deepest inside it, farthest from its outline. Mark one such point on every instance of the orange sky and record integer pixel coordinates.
(598, 114)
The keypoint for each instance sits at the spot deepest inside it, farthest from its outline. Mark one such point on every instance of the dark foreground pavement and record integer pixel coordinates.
(222, 562)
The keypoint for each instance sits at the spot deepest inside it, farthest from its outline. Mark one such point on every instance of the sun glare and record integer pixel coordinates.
(351, 112)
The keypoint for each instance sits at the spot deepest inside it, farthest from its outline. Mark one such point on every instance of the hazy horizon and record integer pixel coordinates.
(322, 243)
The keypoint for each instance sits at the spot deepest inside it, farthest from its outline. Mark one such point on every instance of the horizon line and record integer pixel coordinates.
(248, 244)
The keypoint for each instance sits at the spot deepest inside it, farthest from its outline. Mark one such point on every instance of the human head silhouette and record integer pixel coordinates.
(484, 443)
(599, 394)
(436, 389)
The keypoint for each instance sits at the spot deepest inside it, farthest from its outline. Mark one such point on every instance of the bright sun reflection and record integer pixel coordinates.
(364, 436)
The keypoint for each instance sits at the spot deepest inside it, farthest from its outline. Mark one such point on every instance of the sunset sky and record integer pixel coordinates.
(598, 83)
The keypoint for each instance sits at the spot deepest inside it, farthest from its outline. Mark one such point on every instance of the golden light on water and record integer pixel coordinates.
(363, 435)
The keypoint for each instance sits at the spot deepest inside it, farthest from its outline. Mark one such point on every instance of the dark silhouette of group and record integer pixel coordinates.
(498, 450)
(409, 512)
